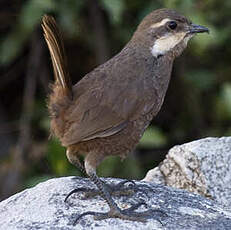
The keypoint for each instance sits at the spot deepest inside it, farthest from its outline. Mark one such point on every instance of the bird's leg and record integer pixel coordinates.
(91, 162)
(73, 158)
(114, 189)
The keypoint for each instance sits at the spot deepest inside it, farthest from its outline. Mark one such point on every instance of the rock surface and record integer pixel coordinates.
(43, 207)
(202, 166)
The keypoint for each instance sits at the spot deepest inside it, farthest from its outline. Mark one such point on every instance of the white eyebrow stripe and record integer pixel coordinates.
(161, 23)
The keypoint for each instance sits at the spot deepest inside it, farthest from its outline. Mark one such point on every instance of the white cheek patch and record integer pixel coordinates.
(166, 43)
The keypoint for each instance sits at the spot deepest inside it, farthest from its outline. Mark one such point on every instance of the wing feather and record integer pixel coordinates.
(106, 103)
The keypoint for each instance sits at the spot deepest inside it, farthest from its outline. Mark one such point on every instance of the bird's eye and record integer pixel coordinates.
(172, 25)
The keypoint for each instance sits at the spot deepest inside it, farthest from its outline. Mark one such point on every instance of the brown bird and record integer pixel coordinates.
(107, 112)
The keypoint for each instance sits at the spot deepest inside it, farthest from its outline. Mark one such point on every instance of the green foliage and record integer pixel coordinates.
(201, 79)
(115, 9)
(68, 12)
(29, 18)
(223, 103)
(32, 181)
(57, 158)
(185, 5)
(153, 137)
(115, 167)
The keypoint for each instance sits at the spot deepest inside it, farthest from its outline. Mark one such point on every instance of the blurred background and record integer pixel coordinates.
(197, 104)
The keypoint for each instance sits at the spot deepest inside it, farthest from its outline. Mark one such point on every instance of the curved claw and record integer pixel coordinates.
(85, 214)
(75, 191)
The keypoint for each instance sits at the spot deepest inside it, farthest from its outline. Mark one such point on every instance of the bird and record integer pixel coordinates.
(108, 110)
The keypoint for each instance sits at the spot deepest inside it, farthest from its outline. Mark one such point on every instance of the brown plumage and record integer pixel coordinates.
(107, 111)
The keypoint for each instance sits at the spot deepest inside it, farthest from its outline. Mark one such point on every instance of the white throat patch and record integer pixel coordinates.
(168, 42)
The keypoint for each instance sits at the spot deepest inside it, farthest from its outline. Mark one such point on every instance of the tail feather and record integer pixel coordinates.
(55, 44)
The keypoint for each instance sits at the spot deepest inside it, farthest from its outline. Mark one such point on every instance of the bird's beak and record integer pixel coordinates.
(194, 28)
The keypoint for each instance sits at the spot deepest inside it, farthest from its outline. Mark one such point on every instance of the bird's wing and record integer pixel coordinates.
(105, 106)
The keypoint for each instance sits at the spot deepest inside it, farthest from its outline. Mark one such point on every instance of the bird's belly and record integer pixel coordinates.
(121, 143)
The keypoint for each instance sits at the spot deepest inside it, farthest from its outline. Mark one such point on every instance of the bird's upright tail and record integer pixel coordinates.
(55, 44)
(61, 94)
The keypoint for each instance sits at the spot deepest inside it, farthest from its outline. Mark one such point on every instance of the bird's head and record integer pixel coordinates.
(165, 31)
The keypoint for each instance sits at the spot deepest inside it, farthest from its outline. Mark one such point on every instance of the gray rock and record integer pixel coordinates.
(202, 166)
(43, 207)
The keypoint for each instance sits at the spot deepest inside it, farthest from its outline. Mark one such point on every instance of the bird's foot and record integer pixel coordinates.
(116, 212)
(116, 190)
